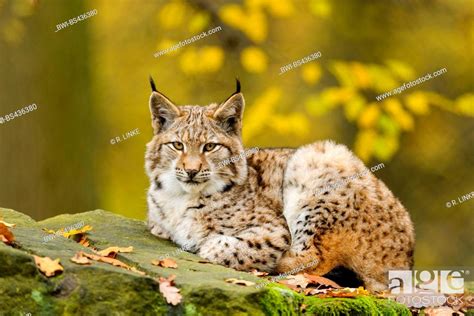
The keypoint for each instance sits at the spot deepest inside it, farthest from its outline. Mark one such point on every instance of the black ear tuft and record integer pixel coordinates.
(237, 85)
(152, 83)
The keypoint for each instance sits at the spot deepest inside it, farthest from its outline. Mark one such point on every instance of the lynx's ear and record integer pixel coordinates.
(163, 111)
(229, 113)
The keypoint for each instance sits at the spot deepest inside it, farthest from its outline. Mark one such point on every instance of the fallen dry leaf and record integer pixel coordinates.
(258, 273)
(346, 292)
(79, 258)
(68, 234)
(165, 263)
(112, 251)
(84, 241)
(313, 291)
(48, 266)
(316, 279)
(169, 291)
(290, 286)
(133, 269)
(7, 224)
(239, 282)
(298, 280)
(49, 231)
(108, 260)
(6, 235)
(81, 230)
(83, 258)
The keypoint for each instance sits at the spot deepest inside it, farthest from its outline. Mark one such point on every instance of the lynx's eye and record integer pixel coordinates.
(210, 146)
(178, 145)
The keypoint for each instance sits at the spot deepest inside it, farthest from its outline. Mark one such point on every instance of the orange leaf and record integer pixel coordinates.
(112, 251)
(315, 279)
(48, 266)
(298, 280)
(165, 263)
(79, 258)
(108, 260)
(289, 285)
(6, 235)
(169, 291)
(83, 241)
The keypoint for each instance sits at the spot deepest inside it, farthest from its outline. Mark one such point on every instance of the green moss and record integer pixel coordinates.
(277, 300)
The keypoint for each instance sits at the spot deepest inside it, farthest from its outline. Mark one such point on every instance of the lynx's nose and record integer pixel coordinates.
(191, 173)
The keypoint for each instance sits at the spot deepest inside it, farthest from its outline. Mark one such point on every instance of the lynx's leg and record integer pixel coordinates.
(315, 216)
(154, 221)
(253, 248)
(339, 214)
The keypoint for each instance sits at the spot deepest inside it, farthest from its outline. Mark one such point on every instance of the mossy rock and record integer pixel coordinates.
(102, 289)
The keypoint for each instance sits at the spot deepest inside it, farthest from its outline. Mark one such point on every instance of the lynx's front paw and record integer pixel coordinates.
(156, 230)
(292, 263)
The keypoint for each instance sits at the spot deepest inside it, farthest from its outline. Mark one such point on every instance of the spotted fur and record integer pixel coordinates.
(274, 211)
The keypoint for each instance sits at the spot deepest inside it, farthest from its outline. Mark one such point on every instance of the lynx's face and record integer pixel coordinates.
(190, 143)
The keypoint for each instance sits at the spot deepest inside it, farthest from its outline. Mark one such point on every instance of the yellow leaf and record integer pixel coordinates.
(369, 116)
(385, 147)
(254, 59)
(198, 22)
(354, 107)
(77, 231)
(255, 26)
(211, 58)
(342, 73)
(439, 100)
(361, 75)
(364, 144)
(262, 108)
(311, 73)
(336, 96)
(465, 104)
(49, 231)
(394, 108)
(295, 123)
(382, 79)
(204, 59)
(401, 70)
(417, 102)
(232, 14)
(172, 14)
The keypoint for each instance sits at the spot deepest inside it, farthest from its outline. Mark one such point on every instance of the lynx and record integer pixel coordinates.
(273, 209)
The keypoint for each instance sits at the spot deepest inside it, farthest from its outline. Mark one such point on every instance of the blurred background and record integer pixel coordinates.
(90, 84)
